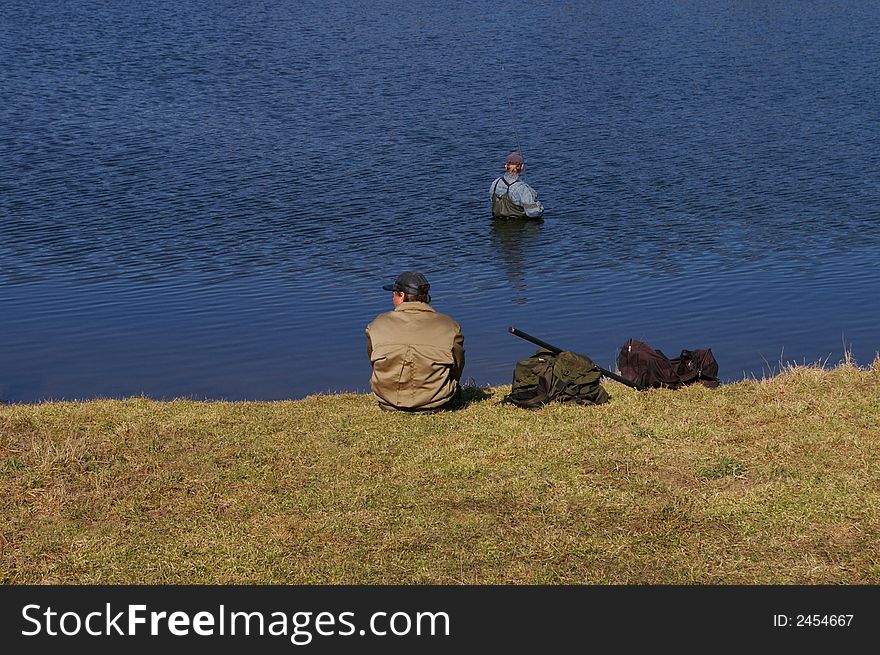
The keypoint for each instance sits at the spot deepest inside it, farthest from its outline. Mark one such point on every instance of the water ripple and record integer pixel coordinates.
(207, 201)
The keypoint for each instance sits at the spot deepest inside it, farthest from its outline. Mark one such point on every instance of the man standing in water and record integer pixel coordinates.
(511, 196)
(416, 352)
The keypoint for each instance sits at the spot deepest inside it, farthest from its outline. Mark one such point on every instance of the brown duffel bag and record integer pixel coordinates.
(650, 368)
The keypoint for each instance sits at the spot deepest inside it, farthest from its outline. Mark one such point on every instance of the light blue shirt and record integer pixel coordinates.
(520, 193)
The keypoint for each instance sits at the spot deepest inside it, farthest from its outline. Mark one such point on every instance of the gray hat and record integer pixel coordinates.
(409, 282)
(514, 158)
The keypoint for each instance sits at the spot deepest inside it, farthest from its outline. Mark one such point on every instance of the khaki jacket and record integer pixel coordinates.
(417, 355)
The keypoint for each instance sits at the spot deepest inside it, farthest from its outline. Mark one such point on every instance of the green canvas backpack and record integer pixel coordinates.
(547, 377)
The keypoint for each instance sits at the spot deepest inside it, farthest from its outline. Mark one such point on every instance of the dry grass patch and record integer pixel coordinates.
(763, 481)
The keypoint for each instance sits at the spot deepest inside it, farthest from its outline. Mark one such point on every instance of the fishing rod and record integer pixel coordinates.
(512, 120)
(556, 351)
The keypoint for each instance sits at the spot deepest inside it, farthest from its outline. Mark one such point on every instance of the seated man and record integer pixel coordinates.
(511, 196)
(417, 353)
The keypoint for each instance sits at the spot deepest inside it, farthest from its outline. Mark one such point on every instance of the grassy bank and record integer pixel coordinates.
(772, 481)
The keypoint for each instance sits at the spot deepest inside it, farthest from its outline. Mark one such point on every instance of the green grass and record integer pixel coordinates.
(764, 481)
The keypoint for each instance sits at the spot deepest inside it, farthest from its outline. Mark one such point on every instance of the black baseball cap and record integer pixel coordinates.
(409, 282)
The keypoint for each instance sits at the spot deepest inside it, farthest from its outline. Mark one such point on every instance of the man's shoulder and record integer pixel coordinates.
(446, 318)
(409, 312)
(430, 313)
(381, 318)
(524, 191)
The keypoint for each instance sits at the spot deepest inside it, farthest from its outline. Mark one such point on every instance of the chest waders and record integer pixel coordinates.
(502, 205)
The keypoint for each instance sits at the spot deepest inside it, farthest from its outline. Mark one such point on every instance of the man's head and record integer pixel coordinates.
(514, 163)
(409, 287)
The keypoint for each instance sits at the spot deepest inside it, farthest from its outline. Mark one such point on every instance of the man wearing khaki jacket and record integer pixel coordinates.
(417, 353)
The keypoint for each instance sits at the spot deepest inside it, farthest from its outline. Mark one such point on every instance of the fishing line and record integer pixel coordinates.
(512, 120)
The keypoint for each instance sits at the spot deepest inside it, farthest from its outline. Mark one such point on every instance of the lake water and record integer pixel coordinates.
(204, 199)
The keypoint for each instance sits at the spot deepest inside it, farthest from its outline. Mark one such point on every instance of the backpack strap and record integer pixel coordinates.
(507, 190)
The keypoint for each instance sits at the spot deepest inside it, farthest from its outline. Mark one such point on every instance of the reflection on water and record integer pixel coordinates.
(512, 239)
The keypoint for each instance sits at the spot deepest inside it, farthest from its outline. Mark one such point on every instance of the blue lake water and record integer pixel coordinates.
(204, 199)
